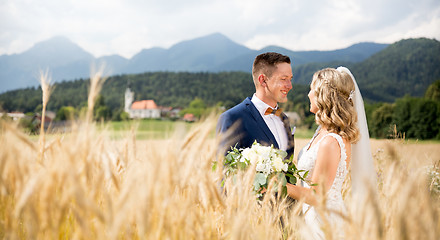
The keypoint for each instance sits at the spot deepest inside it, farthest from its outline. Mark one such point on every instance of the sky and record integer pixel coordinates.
(125, 27)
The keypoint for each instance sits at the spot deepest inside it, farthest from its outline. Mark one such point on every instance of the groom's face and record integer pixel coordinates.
(279, 84)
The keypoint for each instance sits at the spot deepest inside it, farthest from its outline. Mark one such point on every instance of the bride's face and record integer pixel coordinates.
(312, 98)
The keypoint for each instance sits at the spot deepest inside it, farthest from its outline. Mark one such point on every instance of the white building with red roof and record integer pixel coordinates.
(140, 109)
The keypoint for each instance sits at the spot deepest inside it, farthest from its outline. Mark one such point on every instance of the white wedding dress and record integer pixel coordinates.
(334, 203)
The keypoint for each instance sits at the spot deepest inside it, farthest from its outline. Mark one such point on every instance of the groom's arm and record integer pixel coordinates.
(224, 123)
(229, 132)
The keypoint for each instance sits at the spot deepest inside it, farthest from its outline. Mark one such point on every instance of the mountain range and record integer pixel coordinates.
(213, 53)
(406, 67)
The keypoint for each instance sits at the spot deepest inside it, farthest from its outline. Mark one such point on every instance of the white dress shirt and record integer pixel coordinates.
(274, 123)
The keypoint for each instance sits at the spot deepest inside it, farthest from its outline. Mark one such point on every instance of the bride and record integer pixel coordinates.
(342, 136)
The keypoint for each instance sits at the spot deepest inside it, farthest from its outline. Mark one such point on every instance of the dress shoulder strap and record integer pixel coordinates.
(338, 138)
(340, 142)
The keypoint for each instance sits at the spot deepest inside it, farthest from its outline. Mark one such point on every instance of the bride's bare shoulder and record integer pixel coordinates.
(329, 145)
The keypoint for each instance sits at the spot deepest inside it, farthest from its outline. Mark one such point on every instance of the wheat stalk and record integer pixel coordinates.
(46, 88)
(93, 187)
(96, 81)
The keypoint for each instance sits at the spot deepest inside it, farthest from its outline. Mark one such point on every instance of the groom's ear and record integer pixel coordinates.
(262, 80)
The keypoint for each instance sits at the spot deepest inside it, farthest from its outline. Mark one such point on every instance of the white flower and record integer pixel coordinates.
(251, 155)
(279, 165)
(260, 167)
(266, 159)
(263, 151)
(285, 167)
(245, 154)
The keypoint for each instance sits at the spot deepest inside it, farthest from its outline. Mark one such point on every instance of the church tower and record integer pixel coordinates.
(129, 97)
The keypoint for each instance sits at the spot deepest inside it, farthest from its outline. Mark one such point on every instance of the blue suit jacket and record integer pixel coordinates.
(243, 124)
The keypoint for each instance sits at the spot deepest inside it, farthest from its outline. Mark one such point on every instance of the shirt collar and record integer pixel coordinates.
(260, 105)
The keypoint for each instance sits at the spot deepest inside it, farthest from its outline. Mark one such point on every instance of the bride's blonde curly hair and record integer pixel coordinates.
(334, 92)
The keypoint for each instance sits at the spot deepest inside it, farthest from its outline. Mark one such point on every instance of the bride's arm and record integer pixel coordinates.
(298, 192)
(324, 172)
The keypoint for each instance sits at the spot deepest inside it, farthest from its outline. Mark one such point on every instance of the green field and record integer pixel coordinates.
(164, 129)
(146, 128)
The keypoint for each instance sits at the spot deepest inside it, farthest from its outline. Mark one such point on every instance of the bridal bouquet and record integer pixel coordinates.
(269, 163)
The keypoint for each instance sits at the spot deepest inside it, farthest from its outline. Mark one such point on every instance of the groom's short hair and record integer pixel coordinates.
(265, 63)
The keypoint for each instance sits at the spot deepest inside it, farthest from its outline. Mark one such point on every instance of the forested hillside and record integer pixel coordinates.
(407, 117)
(211, 53)
(405, 67)
(166, 88)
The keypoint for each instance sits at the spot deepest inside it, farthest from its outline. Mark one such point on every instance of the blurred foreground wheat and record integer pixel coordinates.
(86, 186)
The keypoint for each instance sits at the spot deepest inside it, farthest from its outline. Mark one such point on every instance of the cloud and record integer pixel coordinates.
(105, 27)
(333, 24)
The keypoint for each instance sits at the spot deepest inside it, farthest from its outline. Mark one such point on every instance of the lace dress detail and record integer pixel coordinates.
(334, 201)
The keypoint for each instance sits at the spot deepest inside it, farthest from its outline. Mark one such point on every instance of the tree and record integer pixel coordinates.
(124, 116)
(65, 113)
(402, 115)
(369, 109)
(433, 91)
(424, 115)
(381, 124)
(197, 103)
(28, 124)
(101, 111)
(196, 107)
(120, 115)
(38, 109)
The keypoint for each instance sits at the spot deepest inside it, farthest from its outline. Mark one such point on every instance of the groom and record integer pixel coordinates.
(259, 118)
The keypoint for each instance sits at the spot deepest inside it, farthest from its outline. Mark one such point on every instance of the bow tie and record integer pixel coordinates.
(276, 112)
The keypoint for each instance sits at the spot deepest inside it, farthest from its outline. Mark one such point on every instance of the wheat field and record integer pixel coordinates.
(84, 185)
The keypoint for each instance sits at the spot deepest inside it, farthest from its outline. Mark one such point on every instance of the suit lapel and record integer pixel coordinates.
(260, 122)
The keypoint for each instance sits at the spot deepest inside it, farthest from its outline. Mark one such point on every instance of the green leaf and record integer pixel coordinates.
(282, 179)
(256, 186)
(260, 178)
(293, 167)
(292, 180)
(305, 174)
(283, 154)
(242, 165)
(284, 191)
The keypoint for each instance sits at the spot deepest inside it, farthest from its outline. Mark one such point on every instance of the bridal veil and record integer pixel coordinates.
(363, 174)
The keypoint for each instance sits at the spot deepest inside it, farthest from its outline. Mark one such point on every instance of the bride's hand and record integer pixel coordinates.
(290, 189)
